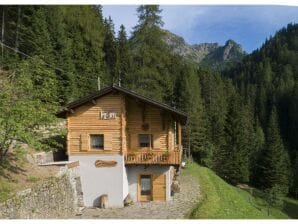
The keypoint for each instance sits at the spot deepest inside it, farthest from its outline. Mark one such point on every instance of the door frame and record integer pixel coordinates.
(145, 198)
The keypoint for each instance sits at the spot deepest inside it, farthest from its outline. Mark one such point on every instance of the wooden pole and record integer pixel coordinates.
(2, 34)
(179, 137)
(17, 29)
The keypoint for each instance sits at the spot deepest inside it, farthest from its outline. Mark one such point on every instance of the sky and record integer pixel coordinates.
(247, 25)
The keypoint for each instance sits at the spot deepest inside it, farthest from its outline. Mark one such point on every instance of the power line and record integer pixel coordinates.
(28, 56)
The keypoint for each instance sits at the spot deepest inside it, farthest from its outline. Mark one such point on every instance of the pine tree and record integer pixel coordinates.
(188, 98)
(150, 74)
(124, 57)
(234, 155)
(110, 49)
(273, 166)
(35, 36)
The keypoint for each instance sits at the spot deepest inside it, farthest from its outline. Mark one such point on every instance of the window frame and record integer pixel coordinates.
(150, 142)
(91, 145)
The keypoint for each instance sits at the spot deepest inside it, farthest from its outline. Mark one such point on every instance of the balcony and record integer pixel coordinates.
(153, 157)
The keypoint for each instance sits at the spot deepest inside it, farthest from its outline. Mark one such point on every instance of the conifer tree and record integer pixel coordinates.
(234, 154)
(195, 136)
(150, 75)
(110, 49)
(273, 166)
(124, 62)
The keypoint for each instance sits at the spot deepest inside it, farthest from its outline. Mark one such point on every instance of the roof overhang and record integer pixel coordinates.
(177, 115)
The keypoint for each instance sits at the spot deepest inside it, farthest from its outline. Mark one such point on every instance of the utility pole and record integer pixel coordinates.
(17, 31)
(98, 83)
(189, 156)
(119, 80)
(2, 34)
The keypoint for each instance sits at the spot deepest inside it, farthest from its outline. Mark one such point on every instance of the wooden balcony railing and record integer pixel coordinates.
(153, 157)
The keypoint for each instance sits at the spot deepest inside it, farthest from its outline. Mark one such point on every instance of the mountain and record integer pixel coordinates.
(206, 54)
(268, 79)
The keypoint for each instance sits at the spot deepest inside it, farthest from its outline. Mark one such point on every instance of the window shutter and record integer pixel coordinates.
(84, 146)
(156, 141)
(134, 141)
(107, 142)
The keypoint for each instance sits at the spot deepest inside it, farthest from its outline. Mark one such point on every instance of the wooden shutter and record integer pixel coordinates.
(159, 187)
(156, 141)
(107, 138)
(84, 146)
(134, 141)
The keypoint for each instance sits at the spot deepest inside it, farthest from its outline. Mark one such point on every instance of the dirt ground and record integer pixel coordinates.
(19, 172)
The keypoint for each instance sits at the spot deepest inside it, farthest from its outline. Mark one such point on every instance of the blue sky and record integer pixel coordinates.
(247, 25)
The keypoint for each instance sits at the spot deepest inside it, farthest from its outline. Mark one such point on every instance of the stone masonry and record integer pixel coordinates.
(54, 197)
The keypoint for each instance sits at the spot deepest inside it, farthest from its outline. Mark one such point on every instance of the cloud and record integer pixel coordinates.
(247, 25)
(121, 14)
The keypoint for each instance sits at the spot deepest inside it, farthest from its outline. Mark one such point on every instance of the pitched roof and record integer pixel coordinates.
(179, 115)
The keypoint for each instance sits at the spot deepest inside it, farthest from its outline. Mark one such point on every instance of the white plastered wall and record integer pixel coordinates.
(103, 180)
(134, 171)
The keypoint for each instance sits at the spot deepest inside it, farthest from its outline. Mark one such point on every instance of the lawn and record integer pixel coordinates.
(223, 201)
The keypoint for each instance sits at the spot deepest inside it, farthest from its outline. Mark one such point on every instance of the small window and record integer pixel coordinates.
(145, 185)
(145, 140)
(96, 141)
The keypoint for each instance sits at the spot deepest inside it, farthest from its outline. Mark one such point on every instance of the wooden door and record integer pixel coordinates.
(159, 187)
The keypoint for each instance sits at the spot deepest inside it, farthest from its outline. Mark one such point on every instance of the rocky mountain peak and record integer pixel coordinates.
(207, 54)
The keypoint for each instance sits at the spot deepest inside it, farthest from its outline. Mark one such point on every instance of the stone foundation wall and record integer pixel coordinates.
(55, 197)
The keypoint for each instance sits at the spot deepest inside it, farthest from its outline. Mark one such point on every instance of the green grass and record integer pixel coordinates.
(6, 191)
(32, 179)
(223, 201)
(291, 207)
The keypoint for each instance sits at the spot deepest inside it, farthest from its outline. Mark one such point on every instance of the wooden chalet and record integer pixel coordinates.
(125, 143)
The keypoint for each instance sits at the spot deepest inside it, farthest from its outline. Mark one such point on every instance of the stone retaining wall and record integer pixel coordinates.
(55, 197)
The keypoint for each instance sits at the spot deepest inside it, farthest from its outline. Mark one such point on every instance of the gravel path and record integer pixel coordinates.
(178, 208)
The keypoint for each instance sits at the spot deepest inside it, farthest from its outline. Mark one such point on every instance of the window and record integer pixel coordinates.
(145, 140)
(145, 185)
(96, 141)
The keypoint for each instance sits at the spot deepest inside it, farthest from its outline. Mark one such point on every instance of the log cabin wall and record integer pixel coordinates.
(86, 120)
(144, 119)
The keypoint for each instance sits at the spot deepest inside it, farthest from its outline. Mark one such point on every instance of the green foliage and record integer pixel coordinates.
(273, 166)
(234, 155)
(32, 179)
(150, 74)
(269, 79)
(223, 201)
(228, 128)
(291, 207)
(124, 62)
(274, 197)
(5, 190)
(110, 49)
(24, 107)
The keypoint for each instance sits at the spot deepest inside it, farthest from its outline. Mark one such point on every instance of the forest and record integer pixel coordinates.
(243, 121)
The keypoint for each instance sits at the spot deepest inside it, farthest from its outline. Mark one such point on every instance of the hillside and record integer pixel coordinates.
(221, 200)
(238, 119)
(268, 80)
(209, 55)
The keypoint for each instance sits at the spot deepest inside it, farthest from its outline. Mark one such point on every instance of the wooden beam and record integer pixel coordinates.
(67, 138)
(179, 136)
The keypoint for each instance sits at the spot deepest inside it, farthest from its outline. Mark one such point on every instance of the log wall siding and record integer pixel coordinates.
(120, 134)
(136, 115)
(86, 120)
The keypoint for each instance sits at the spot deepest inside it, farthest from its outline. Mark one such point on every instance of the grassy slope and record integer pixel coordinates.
(291, 208)
(223, 201)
